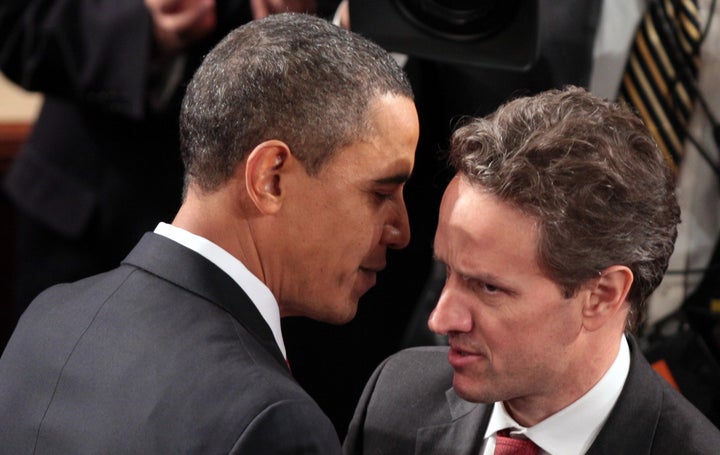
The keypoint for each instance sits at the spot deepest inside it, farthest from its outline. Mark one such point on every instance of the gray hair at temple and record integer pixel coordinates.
(291, 77)
(592, 176)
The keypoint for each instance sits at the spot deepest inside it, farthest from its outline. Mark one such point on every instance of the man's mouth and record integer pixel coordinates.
(459, 356)
(373, 268)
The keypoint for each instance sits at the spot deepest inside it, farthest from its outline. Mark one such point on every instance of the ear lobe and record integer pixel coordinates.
(607, 295)
(264, 169)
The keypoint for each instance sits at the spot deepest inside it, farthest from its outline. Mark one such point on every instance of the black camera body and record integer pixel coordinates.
(502, 34)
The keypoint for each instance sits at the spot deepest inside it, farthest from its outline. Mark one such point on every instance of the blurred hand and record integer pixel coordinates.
(262, 8)
(342, 15)
(180, 23)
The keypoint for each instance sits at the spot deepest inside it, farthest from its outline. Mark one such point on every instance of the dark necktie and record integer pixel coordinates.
(661, 72)
(505, 445)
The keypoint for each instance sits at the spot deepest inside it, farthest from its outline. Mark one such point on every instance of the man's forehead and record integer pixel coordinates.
(371, 160)
(475, 214)
(386, 153)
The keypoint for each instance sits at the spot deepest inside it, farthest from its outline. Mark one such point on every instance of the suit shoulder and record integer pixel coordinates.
(289, 426)
(431, 360)
(418, 368)
(690, 430)
(191, 373)
(410, 391)
(417, 378)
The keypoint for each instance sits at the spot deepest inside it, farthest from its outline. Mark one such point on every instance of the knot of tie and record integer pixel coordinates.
(506, 445)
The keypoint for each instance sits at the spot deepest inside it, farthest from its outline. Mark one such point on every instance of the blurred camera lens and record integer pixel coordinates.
(459, 19)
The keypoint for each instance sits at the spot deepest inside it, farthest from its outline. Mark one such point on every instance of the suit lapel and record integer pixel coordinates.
(462, 436)
(185, 268)
(640, 392)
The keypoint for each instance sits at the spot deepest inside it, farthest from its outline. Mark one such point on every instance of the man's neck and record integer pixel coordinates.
(582, 375)
(573, 428)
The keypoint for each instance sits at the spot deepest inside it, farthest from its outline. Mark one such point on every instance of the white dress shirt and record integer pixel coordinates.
(572, 430)
(259, 294)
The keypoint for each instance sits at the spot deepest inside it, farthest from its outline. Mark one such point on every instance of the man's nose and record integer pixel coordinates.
(396, 232)
(450, 315)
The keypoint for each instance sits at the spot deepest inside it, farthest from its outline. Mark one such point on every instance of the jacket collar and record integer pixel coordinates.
(462, 436)
(641, 392)
(185, 268)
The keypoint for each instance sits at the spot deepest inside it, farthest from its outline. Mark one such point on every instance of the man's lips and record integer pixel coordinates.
(373, 268)
(370, 276)
(459, 356)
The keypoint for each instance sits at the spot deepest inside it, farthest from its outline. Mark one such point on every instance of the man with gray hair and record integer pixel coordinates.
(555, 230)
(297, 138)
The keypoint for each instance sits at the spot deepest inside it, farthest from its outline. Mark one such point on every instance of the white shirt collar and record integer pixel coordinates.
(572, 430)
(258, 292)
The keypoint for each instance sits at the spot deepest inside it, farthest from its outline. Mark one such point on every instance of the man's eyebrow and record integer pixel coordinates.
(396, 179)
(485, 277)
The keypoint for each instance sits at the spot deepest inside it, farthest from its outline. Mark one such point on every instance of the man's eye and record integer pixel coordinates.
(383, 196)
(481, 286)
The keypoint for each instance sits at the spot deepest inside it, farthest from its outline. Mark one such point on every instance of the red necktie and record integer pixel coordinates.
(505, 445)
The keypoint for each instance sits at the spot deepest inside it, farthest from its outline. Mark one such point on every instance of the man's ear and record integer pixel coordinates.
(607, 295)
(264, 170)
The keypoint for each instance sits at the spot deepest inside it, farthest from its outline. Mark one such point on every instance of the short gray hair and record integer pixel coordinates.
(291, 77)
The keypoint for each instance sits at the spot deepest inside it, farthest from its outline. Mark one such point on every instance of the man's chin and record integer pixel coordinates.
(339, 314)
(469, 392)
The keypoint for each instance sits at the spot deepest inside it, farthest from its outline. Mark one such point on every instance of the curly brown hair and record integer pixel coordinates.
(591, 174)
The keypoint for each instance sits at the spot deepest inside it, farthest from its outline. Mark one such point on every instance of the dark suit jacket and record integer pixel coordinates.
(165, 354)
(97, 146)
(409, 407)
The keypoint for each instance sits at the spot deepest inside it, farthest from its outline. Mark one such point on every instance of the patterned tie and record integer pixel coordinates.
(505, 445)
(661, 72)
